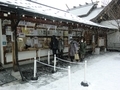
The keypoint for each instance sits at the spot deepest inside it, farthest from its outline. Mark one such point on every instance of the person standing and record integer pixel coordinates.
(73, 49)
(60, 47)
(82, 49)
(54, 45)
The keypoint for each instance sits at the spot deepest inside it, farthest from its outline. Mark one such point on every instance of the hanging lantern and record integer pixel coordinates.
(23, 15)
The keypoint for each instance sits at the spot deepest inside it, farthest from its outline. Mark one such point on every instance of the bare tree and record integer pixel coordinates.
(105, 2)
(113, 12)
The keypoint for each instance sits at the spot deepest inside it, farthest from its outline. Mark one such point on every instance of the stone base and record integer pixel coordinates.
(34, 78)
(84, 84)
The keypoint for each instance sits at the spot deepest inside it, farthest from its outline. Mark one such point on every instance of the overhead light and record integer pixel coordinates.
(23, 15)
(16, 7)
(5, 14)
(8, 13)
(35, 17)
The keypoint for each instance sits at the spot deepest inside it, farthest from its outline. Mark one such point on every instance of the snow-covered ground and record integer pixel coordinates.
(103, 73)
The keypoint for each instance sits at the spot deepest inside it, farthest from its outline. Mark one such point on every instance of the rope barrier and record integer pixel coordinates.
(83, 83)
(51, 66)
(69, 72)
(69, 61)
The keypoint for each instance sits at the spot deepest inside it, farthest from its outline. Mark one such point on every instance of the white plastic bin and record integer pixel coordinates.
(97, 50)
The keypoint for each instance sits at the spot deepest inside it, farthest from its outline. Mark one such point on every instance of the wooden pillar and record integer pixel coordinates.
(14, 47)
(16, 66)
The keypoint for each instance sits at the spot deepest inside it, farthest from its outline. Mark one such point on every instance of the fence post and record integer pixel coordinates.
(48, 57)
(35, 70)
(55, 63)
(39, 58)
(54, 70)
(39, 54)
(84, 83)
(69, 78)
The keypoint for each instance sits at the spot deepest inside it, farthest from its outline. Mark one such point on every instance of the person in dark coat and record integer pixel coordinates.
(54, 44)
(60, 47)
(82, 49)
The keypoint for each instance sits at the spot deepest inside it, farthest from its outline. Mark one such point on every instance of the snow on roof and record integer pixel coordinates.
(110, 23)
(78, 11)
(93, 14)
(49, 11)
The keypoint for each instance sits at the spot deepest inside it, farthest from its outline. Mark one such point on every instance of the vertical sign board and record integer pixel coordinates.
(4, 41)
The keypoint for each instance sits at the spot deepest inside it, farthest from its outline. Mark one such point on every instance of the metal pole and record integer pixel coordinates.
(55, 63)
(39, 58)
(35, 66)
(69, 78)
(48, 57)
(85, 72)
(84, 83)
(39, 54)
(35, 70)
